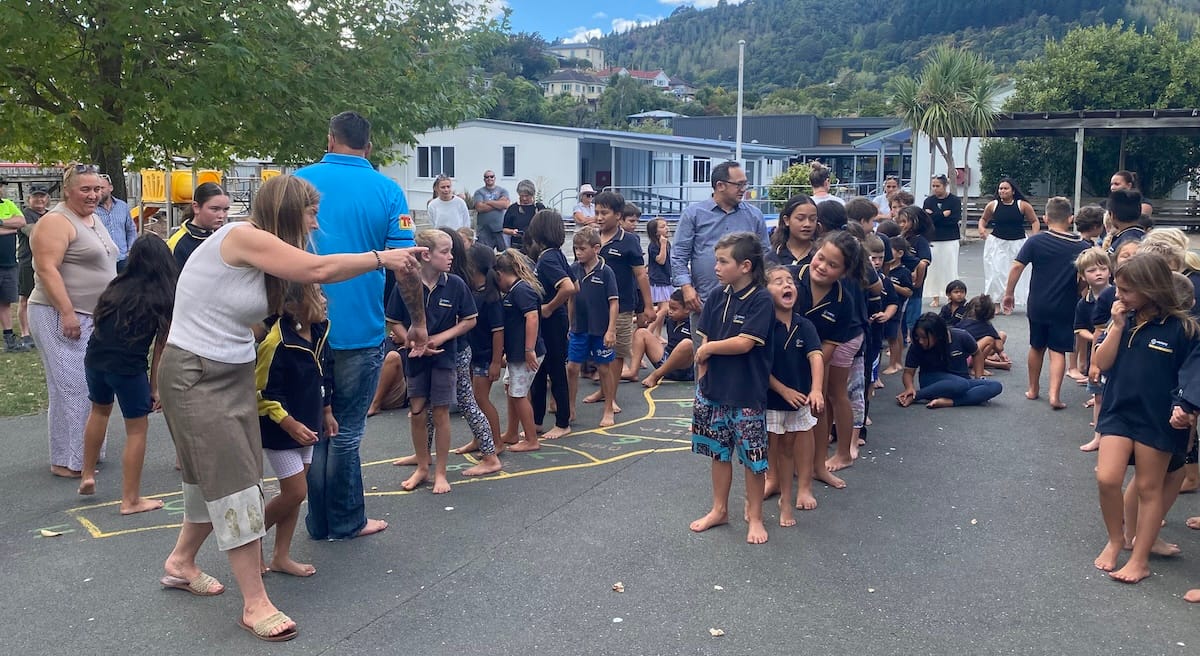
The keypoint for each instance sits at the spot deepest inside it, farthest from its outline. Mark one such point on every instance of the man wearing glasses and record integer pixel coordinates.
(701, 225)
(114, 212)
(490, 201)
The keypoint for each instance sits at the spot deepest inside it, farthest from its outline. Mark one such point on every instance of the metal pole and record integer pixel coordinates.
(737, 152)
(1121, 157)
(1078, 166)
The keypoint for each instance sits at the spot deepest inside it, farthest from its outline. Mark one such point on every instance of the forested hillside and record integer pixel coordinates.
(798, 43)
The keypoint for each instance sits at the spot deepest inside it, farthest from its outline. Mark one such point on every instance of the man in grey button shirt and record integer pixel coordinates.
(701, 226)
(490, 201)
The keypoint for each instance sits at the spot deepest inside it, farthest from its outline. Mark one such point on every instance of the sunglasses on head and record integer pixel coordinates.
(87, 168)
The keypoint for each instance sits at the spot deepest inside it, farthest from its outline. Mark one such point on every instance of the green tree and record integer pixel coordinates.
(135, 83)
(952, 97)
(516, 99)
(791, 182)
(1108, 67)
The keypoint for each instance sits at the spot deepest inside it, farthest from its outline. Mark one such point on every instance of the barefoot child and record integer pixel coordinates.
(658, 269)
(1089, 223)
(734, 363)
(543, 241)
(902, 282)
(956, 306)
(133, 312)
(622, 251)
(1053, 294)
(1092, 267)
(883, 308)
(795, 388)
(1147, 351)
(978, 324)
(676, 359)
(940, 353)
(449, 313)
(486, 340)
(915, 227)
(593, 313)
(523, 346)
(1101, 315)
(294, 376)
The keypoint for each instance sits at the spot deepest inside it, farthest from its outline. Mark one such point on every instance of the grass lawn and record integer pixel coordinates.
(22, 384)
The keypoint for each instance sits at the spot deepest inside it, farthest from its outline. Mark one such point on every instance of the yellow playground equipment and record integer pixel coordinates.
(168, 189)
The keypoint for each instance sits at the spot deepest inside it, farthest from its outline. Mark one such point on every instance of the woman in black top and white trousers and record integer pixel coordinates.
(1002, 228)
(944, 210)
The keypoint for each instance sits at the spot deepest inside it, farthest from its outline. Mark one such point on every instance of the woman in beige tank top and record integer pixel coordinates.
(73, 261)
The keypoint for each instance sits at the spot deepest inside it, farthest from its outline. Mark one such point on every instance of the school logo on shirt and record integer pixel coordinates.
(956, 354)
(445, 302)
(739, 318)
(1159, 345)
(799, 342)
(614, 251)
(828, 316)
(596, 279)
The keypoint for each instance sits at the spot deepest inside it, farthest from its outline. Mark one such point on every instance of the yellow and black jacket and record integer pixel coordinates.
(185, 240)
(294, 377)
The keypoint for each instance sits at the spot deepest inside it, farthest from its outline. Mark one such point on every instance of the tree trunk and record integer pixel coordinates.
(111, 159)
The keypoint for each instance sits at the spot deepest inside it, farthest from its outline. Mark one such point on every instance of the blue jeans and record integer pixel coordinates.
(963, 391)
(336, 509)
(912, 312)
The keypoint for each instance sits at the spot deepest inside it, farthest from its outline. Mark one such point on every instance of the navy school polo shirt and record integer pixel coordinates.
(1053, 286)
(978, 329)
(918, 250)
(447, 303)
(961, 346)
(1143, 380)
(596, 288)
(900, 276)
(660, 274)
(1132, 233)
(738, 380)
(791, 346)
(784, 257)
(834, 316)
(953, 316)
(1084, 309)
(519, 301)
(552, 269)
(677, 331)
(624, 252)
(1102, 311)
(490, 319)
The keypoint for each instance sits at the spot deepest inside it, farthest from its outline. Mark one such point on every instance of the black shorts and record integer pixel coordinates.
(132, 391)
(1056, 336)
(25, 279)
(8, 285)
(434, 385)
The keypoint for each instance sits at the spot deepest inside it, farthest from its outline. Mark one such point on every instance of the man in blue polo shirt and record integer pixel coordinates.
(361, 210)
(701, 226)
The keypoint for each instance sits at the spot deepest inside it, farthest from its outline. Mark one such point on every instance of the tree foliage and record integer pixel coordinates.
(795, 180)
(1106, 67)
(139, 82)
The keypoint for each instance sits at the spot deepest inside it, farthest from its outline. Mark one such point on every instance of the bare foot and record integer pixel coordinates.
(836, 463)
(757, 533)
(607, 420)
(1192, 596)
(286, 565)
(650, 381)
(713, 518)
(440, 485)
(1090, 403)
(594, 397)
(488, 465)
(511, 438)
(786, 518)
(1094, 445)
(892, 370)
(371, 412)
(406, 461)
(416, 480)
(1193, 523)
(854, 445)
(373, 526)
(1130, 574)
(556, 432)
(1031, 394)
(87, 485)
(806, 501)
(1107, 560)
(829, 479)
(1161, 548)
(469, 447)
(940, 403)
(770, 490)
(525, 445)
(64, 472)
(1189, 485)
(879, 384)
(1057, 404)
(142, 505)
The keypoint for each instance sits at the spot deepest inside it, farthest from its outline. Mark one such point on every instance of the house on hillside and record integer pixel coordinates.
(661, 173)
(567, 51)
(681, 89)
(577, 84)
(657, 79)
(859, 167)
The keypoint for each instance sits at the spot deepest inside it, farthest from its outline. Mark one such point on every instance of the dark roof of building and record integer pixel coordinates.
(572, 75)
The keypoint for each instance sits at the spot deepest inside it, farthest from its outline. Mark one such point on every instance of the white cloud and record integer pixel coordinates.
(599, 15)
(583, 35)
(699, 4)
(625, 24)
(494, 9)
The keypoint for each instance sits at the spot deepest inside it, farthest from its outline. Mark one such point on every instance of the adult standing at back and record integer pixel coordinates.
(891, 185)
(701, 226)
(1002, 228)
(38, 205)
(361, 210)
(114, 212)
(12, 219)
(490, 201)
(945, 210)
(445, 209)
(73, 261)
(1128, 180)
(818, 177)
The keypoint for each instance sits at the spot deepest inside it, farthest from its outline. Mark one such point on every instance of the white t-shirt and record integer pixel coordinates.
(821, 199)
(451, 213)
(884, 205)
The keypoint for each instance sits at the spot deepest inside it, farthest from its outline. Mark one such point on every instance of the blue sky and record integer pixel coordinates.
(577, 21)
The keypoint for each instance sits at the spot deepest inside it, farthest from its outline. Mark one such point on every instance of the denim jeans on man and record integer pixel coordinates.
(335, 489)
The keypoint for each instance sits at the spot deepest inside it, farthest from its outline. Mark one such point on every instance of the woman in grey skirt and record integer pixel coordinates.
(233, 281)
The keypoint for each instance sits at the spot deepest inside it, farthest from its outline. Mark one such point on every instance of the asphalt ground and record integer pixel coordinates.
(962, 531)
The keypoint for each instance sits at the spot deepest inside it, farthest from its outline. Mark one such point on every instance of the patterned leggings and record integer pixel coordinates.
(62, 360)
(465, 397)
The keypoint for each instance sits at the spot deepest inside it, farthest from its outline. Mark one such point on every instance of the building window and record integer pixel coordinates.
(435, 160)
(853, 134)
(701, 169)
(510, 162)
